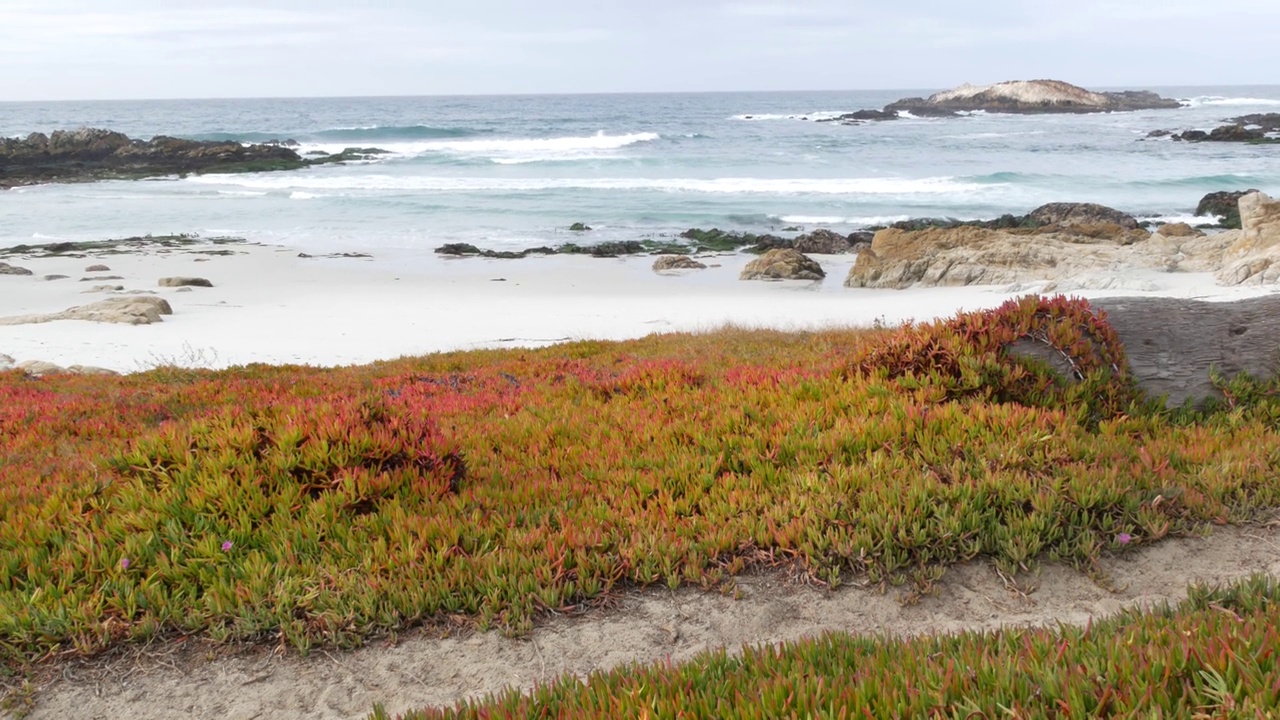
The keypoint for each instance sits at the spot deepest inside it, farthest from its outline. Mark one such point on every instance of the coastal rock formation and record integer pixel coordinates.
(7, 269)
(1225, 205)
(1030, 96)
(783, 264)
(131, 310)
(1094, 255)
(676, 262)
(95, 154)
(1254, 258)
(1078, 214)
(173, 282)
(1256, 128)
(1179, 230)
(822, 242)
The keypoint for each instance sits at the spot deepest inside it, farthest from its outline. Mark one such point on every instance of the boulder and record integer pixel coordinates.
(97, 278)
(39, 368)
(97, 268)
(171, 282)
(822, 242)
(1179, 230)
(1076, 214)
(6, 362)
(783, 264)
(7, 269)
(129, 310)
(50, 278)
(103, 289)
(676, 262)
(90, 370)
(1225, 205)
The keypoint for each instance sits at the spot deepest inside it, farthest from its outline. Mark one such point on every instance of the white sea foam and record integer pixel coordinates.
(820, 115)
(1191, 220)
(842, 220)
(1218, 100)
(817, 186)
(302, 195)
(505, 151)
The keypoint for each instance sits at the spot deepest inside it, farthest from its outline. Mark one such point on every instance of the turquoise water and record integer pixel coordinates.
(510, 172)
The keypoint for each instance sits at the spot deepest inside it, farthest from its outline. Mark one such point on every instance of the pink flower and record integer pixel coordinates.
(226, 546)
(1124, 538)
(124, 563)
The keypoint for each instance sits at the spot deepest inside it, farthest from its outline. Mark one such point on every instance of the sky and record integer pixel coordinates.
(130, 49)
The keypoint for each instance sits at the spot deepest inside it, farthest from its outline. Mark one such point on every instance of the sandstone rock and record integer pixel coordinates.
(783, 264)
(822, 242)
(676, 262)
(131, 310)
(90, 370)
(1082, 214)
(39, 368)
(7, 269)
(185, 282)
(1255, 257)
(97, 268)
(1179, 230)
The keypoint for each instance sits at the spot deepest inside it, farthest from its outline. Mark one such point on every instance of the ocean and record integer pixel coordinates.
(514, 172)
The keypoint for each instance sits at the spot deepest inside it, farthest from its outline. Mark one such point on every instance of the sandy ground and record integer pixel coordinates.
(269, 305)
(428, 669)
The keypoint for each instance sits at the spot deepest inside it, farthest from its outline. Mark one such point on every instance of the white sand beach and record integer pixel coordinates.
(268, 305)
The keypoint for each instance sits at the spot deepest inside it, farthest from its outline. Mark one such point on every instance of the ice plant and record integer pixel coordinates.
(226, 546)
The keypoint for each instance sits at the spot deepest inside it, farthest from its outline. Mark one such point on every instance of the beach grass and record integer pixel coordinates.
(321, 507)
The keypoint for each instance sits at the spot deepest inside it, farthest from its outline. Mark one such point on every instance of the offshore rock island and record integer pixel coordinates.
(1031, 96)
(91, 154)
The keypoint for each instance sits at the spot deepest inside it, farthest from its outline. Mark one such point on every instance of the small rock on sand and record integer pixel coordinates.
(38, 368)
(783, 265)
(101, 277)
(103, 288)
(97, 268)
(7, 269)
(131, 310)
(57, 277)
(677, 262)
(6, 362)
(185, 282)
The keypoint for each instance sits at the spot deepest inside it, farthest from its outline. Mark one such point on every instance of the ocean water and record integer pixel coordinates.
(512, 172)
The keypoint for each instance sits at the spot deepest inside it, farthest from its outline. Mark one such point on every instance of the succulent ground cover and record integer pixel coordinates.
(1215, 656)
(313, 507)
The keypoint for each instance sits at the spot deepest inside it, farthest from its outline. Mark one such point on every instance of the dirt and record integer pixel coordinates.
(427, 669)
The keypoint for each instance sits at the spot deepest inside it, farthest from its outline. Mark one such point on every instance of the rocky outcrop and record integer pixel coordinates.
(676, 262)
(173, 282)
(1179, 230)
(1258, 128)
(1030, 96)
(131, 310)
(1254, 258)
(822, 242)
(783, 264)
(95, 154)
(861, 116)
(1081, 214)
(1225, 205)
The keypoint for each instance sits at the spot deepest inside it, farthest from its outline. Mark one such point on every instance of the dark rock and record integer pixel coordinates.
(1192, 136)
(1159, 133)
(1068, 214)
(51, 278)
(579, 227)
(1224, 204)
(861, 236)
(765, 243)
(458, 249)
(96, 278)
(822, 242)
(97, 268)
(861, 116)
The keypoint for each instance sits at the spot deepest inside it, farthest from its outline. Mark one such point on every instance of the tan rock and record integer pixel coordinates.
(676, 262)
(6, 362)
(783, 264)
(184, 282)
(103, 289)
(131, 310)
(90, 370)
(1179, 230)
(7, 269)
(1254, 258)
(39, 368)
(97, 268)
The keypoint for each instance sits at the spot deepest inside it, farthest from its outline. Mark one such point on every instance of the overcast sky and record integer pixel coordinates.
(81, 49)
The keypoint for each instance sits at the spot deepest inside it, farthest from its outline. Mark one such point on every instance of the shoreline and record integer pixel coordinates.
(268, 305)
